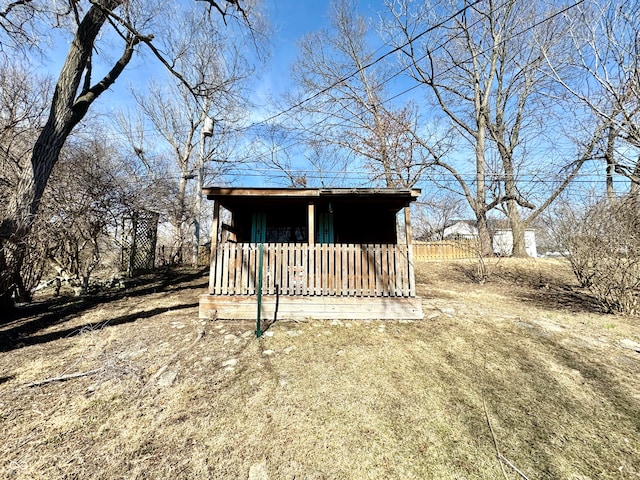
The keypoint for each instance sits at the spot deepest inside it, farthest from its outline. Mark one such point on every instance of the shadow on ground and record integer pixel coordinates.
(22, 325)
(543, 289)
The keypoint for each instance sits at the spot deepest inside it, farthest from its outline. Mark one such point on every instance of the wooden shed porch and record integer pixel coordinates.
(312, 275)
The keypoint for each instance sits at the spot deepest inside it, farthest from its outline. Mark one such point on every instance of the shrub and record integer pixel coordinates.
(603, 247)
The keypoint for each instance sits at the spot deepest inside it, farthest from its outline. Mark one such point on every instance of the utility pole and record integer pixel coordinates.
(205, 131)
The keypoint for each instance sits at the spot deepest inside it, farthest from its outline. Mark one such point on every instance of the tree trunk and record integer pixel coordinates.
(485, 246)
(484, 235)
(179, 219)
(519, 248)
(66, 111)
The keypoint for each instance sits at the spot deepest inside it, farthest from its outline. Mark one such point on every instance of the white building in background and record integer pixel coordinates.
(461, 230)
(502, 237)
(503, 242)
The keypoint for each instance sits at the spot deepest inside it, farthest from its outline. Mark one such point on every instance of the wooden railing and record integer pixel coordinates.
(322, 269)
(445, 250)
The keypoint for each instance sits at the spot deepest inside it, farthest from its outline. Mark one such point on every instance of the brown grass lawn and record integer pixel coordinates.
(524, 365)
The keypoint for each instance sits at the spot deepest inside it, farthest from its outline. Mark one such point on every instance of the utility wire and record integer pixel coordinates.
(399, 72)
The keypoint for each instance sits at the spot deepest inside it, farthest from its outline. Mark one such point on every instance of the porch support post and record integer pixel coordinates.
(312, 223)
(214, 246)
(409, 240)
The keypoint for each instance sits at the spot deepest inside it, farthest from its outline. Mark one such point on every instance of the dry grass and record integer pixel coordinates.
(335, 400)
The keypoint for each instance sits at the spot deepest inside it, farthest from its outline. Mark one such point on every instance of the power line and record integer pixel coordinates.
(370, 64)
(399, 72)
(378, 59)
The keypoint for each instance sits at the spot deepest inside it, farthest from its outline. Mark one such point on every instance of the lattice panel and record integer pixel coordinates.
(140, 234)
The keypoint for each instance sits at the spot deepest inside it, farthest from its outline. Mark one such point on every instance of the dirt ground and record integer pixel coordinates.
(520, 377)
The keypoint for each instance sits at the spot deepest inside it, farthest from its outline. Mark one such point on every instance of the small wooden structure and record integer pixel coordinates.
(311, 253)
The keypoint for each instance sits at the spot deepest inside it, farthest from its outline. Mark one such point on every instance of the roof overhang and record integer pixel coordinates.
(232, 198)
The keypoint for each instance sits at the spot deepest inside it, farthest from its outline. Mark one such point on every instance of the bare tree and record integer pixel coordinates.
(349, 108)
(460, 77)
(435, 212)
(23, 96)
(75, 92)
(606, 81)
(483, 69)
(82, 207)
(604, 250)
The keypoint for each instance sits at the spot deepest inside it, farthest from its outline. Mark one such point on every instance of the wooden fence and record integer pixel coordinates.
(322, 269)
(444, 250)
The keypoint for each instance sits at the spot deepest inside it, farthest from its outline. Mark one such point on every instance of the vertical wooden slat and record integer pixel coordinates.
(214, 247)
(391, 256)
(242, 269)
(268, 268)
(366, 280)
(246, 262)
(374, 267)
(379, 272)
(369, 272)
(246, 248)
(284, 263)
(300, 269)
(359, 273)
(398, 268)
(384, 251)
(391, 282)
(311, 274)
(286, 270)
(339, 271)
(222, 275)
(277, 268)
(358, 268)
(378, 267)
(305, 269)
(327, 269)
(253, 269)
(319, 252)
(346, 271)
(214, 285)
(231, 270)
(234, 265)
(350, 269)
(400, 261)
(295, 269)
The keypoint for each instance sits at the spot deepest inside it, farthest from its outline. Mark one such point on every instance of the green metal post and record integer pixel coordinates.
(260, 253)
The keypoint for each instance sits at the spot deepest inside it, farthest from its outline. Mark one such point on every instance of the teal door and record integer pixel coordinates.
(258, 227)
(324, 233)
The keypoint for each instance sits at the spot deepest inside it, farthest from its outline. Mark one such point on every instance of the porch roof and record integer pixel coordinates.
(387, 198)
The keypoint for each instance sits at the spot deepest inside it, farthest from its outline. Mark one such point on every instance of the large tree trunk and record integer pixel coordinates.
(519, 248)
(516, 223)
(66, 111)
(484, 235)
(485, 246)
(179, 220)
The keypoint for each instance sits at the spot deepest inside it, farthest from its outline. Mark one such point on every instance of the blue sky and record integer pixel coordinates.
(290, 21)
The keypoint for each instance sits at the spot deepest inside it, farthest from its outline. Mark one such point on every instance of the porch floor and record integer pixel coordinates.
(288, 307)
